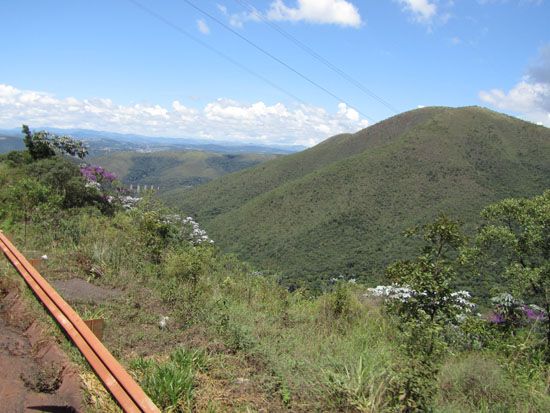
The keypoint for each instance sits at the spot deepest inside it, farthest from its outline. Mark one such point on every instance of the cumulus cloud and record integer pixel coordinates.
(338, 12)
(530, 96)
(422, 10)
(430, 13)
(222, 119)
(203, 27)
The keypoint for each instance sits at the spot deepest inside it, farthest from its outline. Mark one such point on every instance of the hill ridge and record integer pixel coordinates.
(339, 207)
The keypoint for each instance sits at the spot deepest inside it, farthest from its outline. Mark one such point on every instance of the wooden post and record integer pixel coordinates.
(96, 325)
(36, 263)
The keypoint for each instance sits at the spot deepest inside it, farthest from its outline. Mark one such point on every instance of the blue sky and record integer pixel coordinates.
(112, 65)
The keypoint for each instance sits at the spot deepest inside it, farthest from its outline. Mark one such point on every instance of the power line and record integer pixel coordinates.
(273, 57)
(216, 51)
(317, 56)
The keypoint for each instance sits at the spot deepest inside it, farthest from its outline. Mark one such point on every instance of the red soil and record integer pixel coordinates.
(35, 374)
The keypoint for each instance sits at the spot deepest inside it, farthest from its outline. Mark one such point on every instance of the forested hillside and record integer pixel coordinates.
(339, 208)
(176, 169)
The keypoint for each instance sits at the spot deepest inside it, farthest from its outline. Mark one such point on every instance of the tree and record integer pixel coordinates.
(515, 243)
(42, 144)
(425, 304)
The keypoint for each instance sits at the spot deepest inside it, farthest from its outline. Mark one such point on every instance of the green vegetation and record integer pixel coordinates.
(170, 384)
(515, 242)
(338, 209)
(203, 331)
(425, 310)
(175, 170)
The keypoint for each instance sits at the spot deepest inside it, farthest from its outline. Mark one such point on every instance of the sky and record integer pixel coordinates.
(279, 72)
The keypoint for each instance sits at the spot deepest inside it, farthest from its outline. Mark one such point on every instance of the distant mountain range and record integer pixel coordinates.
(102, 142)
(10, 143)
(339, 208)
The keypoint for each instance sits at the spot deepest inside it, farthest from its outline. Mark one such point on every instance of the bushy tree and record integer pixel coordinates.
(42, 144)
(424, 308)
(515, 243)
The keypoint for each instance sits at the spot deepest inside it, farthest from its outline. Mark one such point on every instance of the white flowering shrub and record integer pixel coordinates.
(189, 226)
(129, 202)
(460, 300)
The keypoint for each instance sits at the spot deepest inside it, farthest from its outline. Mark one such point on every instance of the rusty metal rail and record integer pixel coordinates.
(118, 382)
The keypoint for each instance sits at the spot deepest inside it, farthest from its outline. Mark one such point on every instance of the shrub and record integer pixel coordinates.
(339, 306)
(170, 384)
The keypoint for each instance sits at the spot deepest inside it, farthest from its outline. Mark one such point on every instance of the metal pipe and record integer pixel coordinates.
(116, 379)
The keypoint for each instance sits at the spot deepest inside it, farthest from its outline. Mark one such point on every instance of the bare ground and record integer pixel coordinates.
(35, 374)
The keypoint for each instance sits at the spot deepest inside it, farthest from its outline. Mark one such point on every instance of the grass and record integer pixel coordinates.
(170, 383)
(252, 344)
(477, 383)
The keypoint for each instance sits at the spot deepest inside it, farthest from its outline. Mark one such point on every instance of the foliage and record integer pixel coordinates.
(426, 312)
(17, 158)
(170, 384)
(42, 144)
(515, 241)
(63, 177)
(26, 199)
(340, 306)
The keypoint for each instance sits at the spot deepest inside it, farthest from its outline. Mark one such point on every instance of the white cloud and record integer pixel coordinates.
(530, 99)
(222, 119)
(203, 27)
(530, 96)
(455, 41)
(520, 2)
(338, 12)
(423, 10)
(348, 112)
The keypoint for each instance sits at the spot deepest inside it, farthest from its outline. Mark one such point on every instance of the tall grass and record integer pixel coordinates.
(170, 383)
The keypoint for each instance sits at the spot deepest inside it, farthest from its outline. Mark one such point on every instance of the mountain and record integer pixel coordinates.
(102, 142)
(10, 143)
(339, 208)
(177, 168)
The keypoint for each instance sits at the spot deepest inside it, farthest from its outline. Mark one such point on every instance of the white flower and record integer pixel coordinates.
(163, 322)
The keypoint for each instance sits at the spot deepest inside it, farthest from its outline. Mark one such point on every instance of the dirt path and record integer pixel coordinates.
(35, 374)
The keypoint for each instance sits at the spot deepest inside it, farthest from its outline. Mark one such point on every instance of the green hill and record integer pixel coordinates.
(340, 207)
(175, 169)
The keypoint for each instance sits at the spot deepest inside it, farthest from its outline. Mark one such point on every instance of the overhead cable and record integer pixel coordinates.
(317, 56)
(273, 57)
